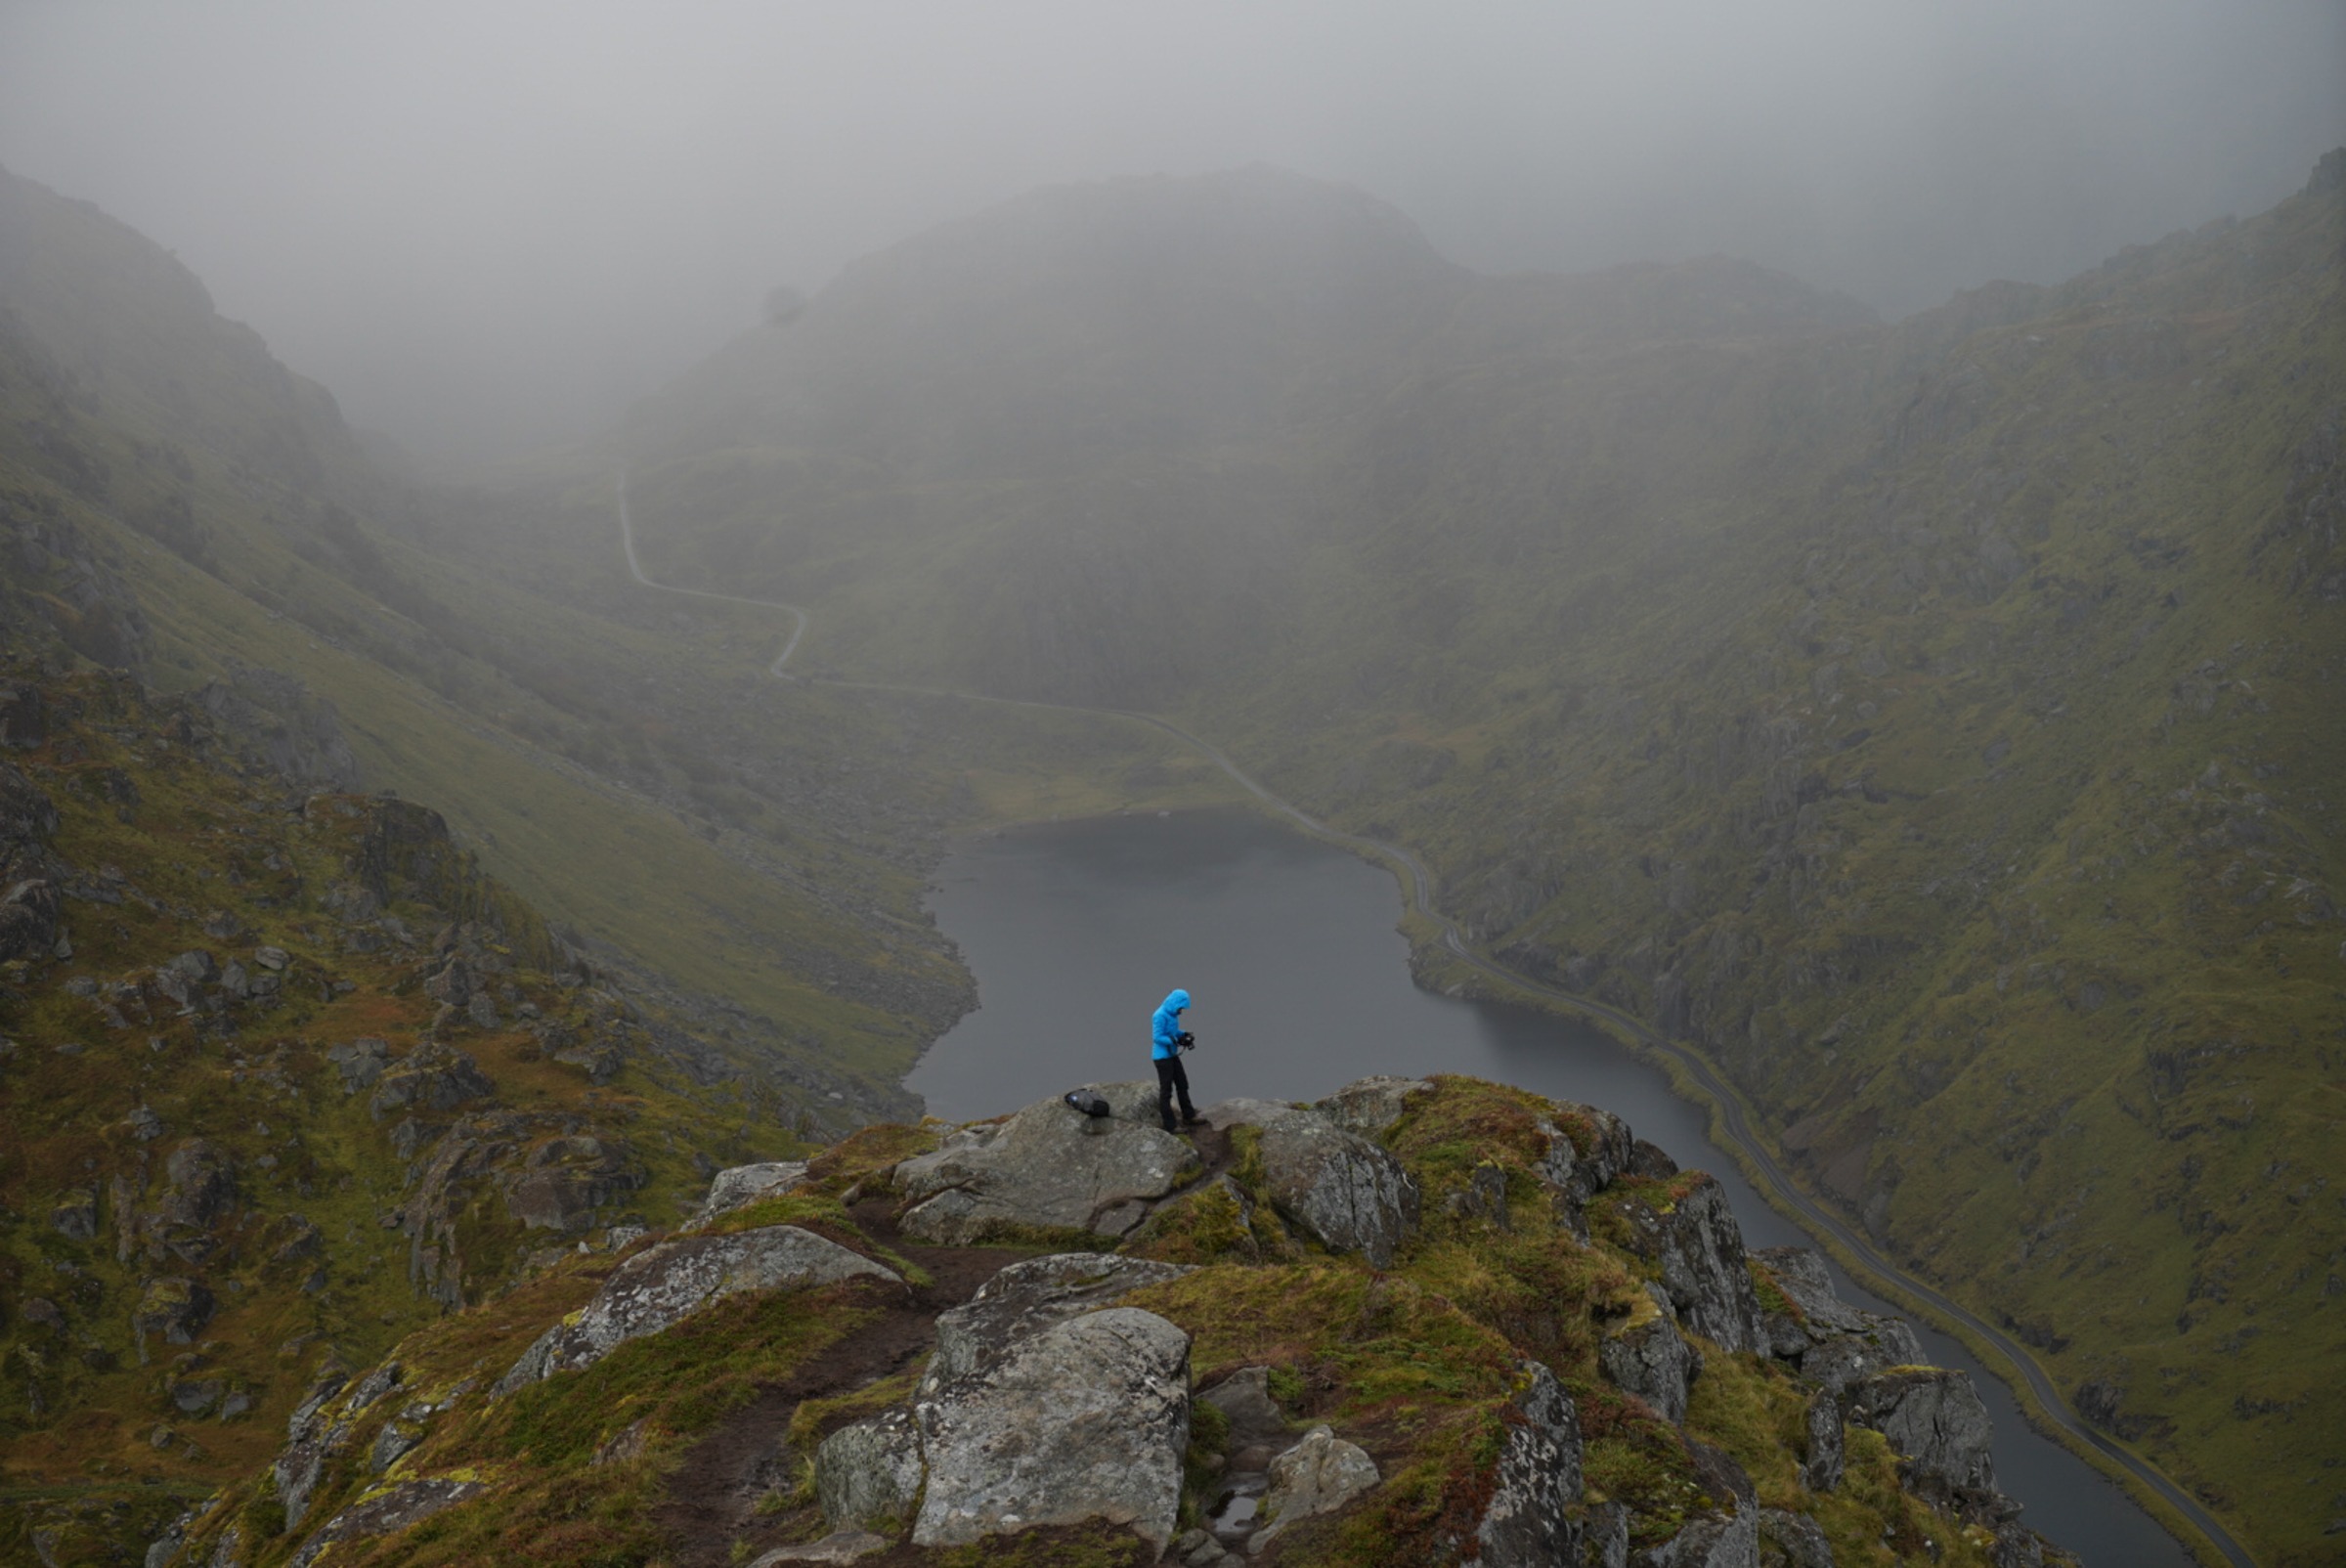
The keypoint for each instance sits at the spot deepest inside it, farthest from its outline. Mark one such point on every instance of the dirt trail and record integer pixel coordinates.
(712, 1497)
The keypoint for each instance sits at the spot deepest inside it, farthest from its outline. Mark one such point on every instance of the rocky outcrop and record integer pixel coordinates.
(1529, 1521)
(743, 1185)
(1087, 1419)
(1346, 1193)
(1825, 1445)
(1833, 1343)
(663, 1284)
(1049, 1166)
(1029, 1297)
(396, 1508)
(1935, 1419)
(1651, 1358)
(431, 1078)
(1587, 1148)
(1690, 1232)
(360, 1062)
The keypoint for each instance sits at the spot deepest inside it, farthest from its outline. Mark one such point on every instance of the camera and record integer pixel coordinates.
(1185, 1040)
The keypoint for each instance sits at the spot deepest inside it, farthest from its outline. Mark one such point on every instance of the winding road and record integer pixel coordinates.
(1856, 1252)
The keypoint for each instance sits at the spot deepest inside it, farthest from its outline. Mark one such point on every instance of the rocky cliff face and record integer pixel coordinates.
(1266, 1356)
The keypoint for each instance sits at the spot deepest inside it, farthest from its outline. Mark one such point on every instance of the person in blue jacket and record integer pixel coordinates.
(1166, 1043)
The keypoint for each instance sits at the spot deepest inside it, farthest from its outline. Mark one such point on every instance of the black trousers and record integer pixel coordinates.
(1173, 1078)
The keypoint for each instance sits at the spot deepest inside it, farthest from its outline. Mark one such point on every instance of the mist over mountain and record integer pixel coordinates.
(1929, 723)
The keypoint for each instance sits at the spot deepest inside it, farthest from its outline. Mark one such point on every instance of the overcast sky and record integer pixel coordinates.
(490, 225)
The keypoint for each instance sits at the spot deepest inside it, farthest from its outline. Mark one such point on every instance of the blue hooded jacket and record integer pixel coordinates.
(1165, 1029)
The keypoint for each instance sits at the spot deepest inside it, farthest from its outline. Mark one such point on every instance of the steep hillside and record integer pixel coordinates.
(1927, 721)
(286, 1075)
(1967, 803)
(1424, 1321)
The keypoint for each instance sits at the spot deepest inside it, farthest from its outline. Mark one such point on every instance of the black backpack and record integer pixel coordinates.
(1089, 1103)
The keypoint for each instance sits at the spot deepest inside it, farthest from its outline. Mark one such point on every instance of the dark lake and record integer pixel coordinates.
(1076, 930)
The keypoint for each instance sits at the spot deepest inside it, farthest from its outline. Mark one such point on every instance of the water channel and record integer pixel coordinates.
(1076, 930)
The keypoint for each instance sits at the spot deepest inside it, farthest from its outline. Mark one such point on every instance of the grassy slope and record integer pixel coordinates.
(90, 1427)
(1990, 850)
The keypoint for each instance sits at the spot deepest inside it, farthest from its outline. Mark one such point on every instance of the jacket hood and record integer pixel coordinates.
(1177, 1001)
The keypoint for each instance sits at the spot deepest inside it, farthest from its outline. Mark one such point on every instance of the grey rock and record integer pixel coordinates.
(1607, 1532)
(173, 1306)
(1801, 1273)
(1700, 1249)
(1587, 1148)
(202, 1183)
(1797, 1536)
(1049, 1166)
(361, 1061)
(1244, 1399)
(310, 1436)
(662, 1285)
(394, 1442)
(482, 1011)
(75, 1215)
(396, 1508)
(1844, 1360)
(1526, 1523)
(743, 1185)
(1029, 1297)
(32, 913)
(272, 717)
(1710, 1541)
(870, 1474)
(429, 1078)
(1653, 1361)
(1348, 1193)
(1369, 1107)
(197, 1396)
(1319, 1475)
(2020, 1548)
(1827, 1445)
(1087, 1419)
(1935, 1419)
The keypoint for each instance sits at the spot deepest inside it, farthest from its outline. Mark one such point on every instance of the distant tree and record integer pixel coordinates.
(783, 304)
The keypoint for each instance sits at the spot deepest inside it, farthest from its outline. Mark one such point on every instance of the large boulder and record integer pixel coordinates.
(1319, 1475)
(1087, 1419)
(1936, 1421)
(1347, 1193)
(740, 1186)
(1690, 1232)
(1028, 1297)
(1047, 1167)
(1526, 1523)
(666, 1284)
